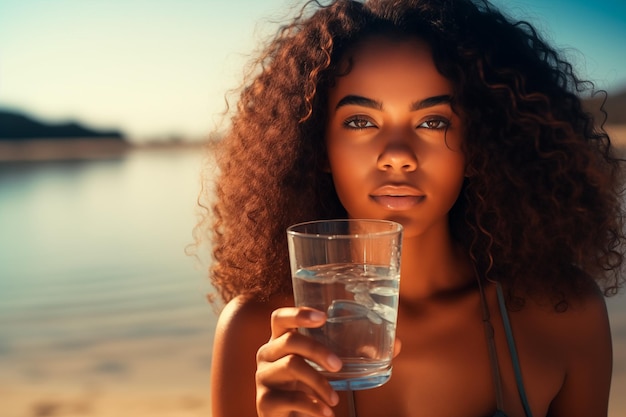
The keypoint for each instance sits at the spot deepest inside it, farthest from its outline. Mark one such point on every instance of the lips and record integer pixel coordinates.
(398, 197)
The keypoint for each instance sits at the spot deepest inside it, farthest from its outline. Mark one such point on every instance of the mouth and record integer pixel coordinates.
(398, 197)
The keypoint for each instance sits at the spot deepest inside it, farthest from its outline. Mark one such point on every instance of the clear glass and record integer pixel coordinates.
(350, 269)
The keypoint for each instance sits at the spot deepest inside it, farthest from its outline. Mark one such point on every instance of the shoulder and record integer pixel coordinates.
(248, 315)
(573, 331)
(585, 315)
(242, 313)
(578, 342)
(242, 327)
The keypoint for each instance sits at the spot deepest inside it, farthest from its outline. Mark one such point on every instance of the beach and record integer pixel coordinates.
(136, 340)
(167, 378)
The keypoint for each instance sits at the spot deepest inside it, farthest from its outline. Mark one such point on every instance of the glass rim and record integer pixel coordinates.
(395, 229)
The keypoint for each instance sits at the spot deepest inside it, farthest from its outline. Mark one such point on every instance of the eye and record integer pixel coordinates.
(435, 123)
(358, 122)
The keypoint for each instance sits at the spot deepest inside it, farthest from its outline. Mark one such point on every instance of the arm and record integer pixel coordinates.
(587, 347)
(242, 328)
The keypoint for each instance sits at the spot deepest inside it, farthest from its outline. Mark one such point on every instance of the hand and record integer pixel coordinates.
(286, 384)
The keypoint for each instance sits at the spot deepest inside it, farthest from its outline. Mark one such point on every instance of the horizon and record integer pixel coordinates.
(158, 70)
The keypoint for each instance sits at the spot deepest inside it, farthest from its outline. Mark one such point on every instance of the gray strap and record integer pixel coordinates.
(351, 404)
(493, 354)
(514, 358)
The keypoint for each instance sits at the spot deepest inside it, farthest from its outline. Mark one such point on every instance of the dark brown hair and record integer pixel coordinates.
(541, 208)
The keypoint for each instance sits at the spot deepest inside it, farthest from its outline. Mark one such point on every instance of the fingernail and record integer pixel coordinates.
(334, 398)
(327, 411)
(316, 316)
(334, 362)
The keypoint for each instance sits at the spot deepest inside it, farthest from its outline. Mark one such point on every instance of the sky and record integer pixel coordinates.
(160, 68)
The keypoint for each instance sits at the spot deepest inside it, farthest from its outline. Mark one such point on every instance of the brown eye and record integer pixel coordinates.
(358, 123)
(435, 124)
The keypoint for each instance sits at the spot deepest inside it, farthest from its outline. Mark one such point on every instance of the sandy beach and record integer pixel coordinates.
(160, 376)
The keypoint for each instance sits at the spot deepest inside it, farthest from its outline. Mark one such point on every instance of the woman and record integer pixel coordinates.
(466, 128)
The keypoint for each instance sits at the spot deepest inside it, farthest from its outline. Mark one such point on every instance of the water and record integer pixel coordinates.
(361, 303)
(95, 285)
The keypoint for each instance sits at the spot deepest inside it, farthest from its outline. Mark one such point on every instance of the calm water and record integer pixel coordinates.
(93, 253)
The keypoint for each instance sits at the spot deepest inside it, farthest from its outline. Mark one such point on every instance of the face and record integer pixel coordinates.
(393, 141)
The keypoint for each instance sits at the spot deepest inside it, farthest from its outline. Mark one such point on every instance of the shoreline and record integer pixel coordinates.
(89, 149)
(81, 149)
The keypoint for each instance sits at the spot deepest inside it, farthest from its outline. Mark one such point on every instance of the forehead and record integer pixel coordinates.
(384, 64)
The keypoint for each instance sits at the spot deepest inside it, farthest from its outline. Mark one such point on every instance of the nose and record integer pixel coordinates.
(397, 157)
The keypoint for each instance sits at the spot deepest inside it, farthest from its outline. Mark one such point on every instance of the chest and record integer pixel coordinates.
(444, 369)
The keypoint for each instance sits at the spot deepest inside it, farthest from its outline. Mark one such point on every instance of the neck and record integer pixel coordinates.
(432, 267)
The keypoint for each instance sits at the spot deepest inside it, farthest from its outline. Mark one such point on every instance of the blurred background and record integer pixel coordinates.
(104, 109)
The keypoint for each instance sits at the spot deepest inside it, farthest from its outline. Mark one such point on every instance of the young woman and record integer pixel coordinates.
(467, 129)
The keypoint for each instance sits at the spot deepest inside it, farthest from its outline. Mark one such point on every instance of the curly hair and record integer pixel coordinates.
(541, 209)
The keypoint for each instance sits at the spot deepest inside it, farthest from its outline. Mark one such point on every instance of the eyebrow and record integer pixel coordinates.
(377, 105)
(359, 101)
(431, 102)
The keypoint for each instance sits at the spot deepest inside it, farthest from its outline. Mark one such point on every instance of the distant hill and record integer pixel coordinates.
(615, 107)
(15, 126)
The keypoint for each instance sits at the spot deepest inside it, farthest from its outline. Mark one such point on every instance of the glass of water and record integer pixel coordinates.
(350, 269)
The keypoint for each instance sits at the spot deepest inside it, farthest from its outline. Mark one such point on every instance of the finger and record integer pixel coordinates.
(289, 318)
(397, 347)
(294, 343)
(293, 373)
(275, 402)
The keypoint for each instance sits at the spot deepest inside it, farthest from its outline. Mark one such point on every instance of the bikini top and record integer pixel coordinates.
(493, 356)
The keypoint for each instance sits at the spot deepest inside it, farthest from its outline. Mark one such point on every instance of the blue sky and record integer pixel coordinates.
(161, 67)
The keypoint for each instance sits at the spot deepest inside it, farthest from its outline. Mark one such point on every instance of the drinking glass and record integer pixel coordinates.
(350, 269)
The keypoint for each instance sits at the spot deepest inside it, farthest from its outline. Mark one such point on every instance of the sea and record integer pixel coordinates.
(95, 278)
(97, 288)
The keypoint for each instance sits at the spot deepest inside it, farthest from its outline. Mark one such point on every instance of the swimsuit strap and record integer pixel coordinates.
(493, 354)
(351, 404)
(514, 357)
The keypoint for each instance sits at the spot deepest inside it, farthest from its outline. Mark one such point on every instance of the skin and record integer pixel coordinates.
(395, 152)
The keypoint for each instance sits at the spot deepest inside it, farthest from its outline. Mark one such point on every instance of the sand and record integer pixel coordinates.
(136, 378)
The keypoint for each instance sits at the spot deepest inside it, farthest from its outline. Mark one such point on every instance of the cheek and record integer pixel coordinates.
(349, 171)
(448, 177)
(346, 174)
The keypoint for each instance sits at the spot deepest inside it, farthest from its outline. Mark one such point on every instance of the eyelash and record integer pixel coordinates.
(358, 119)
(440, 123)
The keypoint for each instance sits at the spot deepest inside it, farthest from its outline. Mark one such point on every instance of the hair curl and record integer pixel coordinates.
(541, 208)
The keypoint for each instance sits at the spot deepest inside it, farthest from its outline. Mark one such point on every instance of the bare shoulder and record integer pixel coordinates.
(583, 321)
(241, 318)
(577, 340)
(243, 326)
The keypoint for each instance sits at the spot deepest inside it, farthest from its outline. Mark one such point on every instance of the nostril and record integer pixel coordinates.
(397, 158)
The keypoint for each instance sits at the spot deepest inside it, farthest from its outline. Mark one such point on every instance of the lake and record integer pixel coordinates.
(101, 311)
(96, 290)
